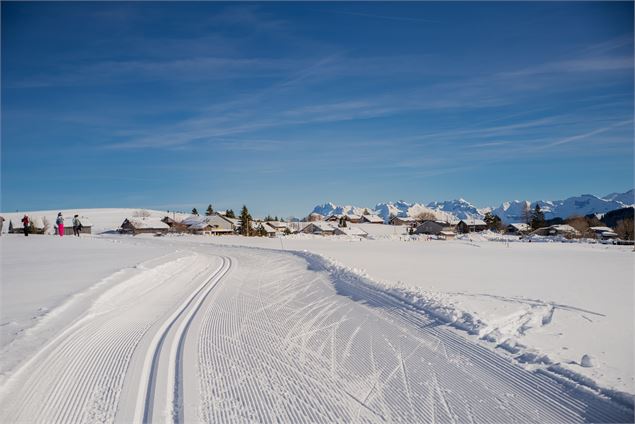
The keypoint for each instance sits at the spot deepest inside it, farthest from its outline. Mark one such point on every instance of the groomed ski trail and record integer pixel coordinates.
(221, 334)
(81, 374)
(283, 343)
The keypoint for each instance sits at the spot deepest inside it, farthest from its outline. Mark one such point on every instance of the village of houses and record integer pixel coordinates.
(218, 224)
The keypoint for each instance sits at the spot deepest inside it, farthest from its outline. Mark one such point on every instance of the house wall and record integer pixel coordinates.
(219, 222)
(68, 231)
(429, 227)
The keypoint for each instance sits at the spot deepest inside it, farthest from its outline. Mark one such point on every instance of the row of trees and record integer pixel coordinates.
(229, 213)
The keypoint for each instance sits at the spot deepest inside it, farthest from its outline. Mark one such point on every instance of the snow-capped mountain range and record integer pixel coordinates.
(509, 212)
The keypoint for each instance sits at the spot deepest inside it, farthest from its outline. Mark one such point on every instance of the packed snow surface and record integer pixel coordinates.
(312, 329)
(556, 301)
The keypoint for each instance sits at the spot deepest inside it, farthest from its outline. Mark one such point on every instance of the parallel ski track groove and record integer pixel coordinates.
(189, 308)
(543, 389)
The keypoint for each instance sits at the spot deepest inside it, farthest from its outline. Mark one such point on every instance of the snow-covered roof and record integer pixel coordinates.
(234, 221)
(473, 221)
(200, 225)
(202, 221)
(266, 227)
(351, 231)
(37, 222)
(373, 218)
(521, 226)
(147, 223)
(601, 229)
(192, 219)
(564, 228)
(322, 226)
(404, 218)
(278, 225)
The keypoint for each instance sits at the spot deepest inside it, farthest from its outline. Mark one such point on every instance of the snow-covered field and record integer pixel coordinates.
(547, 303)
(303, 328)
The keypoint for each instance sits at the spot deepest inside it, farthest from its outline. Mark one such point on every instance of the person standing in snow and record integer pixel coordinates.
(77, 225)
(25, 225)
(1, 224)
(60, 224)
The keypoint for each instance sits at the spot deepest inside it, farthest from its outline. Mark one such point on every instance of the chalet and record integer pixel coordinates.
(144, 226)
(314, 216)
(18, 228)
(518, 228)
(279, 227)
(372, 219)
(266, 228)
(212, 224)
(604, 233)
(319, 228)
(207, 228)
(403, 220)
(175, 226)
(470, 225)
(436, 228)
(350, 231)
(557, 230)
(87, 226)
(353, 219)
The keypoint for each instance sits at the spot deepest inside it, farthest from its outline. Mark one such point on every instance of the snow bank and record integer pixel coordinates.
(500, 334)
(47, 281)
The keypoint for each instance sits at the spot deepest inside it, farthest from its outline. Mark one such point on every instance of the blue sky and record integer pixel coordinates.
(281, 106)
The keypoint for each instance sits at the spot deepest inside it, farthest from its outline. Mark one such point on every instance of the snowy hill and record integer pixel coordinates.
(105, 219)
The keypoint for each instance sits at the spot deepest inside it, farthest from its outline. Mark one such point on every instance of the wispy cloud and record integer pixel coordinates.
(589, 134)
(593, 64)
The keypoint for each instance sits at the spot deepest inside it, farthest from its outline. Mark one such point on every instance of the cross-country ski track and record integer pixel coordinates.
(220, 334)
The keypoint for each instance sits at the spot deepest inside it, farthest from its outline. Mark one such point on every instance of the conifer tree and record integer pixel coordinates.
(537, 218)
(245, 218)
(230, 214)
(194, 211)
(209, 211)
(493, 221)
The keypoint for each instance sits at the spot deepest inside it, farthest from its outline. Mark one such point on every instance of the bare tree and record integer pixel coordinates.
(426, 216)
(527, 213)
(624, 229)
(580, 223)
(46, 225)
(141, 213)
